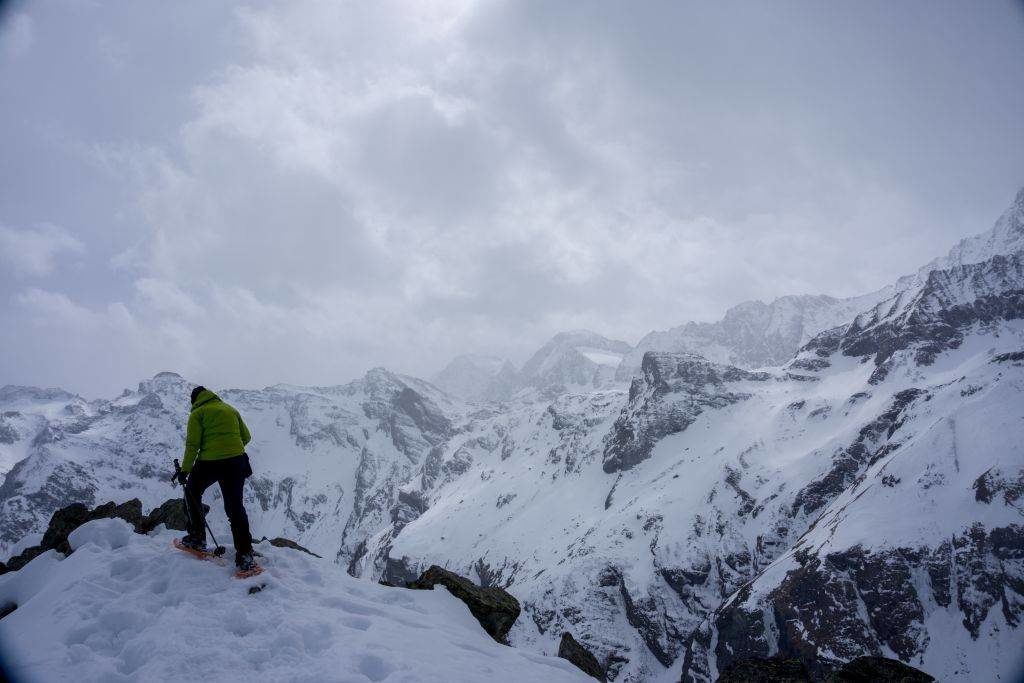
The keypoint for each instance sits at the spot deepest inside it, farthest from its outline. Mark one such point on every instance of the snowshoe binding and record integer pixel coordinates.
(246, 567)
(196, 550)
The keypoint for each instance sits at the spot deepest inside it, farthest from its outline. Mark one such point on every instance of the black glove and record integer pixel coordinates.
(181, 477)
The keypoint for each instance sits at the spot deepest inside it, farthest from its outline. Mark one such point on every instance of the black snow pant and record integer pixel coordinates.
(230, 473)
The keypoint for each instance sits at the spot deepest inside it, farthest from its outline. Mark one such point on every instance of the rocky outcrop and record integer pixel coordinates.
(171, 514)
(861, 601)
(494, 608)
(570, 649)
(877, 670)
(673, 389)
(933, 318)
(765, 670)
(280, 542)
(780, 669)
(848, 463)
(66, 520)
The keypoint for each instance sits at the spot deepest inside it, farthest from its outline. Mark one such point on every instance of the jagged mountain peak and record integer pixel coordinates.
(574, 358)
(477, 377)
(577, 340)
(166, 383)
(1006, 236)
(751, 334)
(582, 337)
(15, 392)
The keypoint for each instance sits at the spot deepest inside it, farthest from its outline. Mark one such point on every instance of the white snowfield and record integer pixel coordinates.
(128, 607)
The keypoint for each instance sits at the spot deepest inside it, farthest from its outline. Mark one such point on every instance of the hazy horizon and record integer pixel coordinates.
(298, 192)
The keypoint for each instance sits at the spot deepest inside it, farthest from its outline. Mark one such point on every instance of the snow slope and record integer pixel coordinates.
(863, 495)
(125, 607)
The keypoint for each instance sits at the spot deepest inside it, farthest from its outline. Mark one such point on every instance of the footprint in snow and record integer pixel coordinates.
(375, 668)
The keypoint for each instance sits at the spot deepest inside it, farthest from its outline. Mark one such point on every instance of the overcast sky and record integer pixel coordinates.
(298, 191)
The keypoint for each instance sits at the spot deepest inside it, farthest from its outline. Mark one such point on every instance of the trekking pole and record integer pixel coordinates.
(218, 549)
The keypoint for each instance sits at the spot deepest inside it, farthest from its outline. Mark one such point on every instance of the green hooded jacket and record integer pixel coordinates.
(215, 431)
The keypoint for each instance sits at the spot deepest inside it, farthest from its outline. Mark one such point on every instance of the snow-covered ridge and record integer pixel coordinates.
(753, 334)
(579, 359)
(635, 515)
(124, 606)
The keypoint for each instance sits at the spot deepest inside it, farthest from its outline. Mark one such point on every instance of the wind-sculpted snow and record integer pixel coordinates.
(861, 496)
(128, 607)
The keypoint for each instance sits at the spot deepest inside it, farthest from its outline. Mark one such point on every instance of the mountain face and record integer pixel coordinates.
(752, 334)
(579, 360)
(478, 378)
(574, 360)
(326, 459)
(860, 495)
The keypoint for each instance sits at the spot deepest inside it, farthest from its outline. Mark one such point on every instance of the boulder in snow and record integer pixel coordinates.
(572, 650)
(494, 608)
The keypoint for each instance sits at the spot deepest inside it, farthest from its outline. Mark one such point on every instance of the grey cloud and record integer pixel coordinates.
(332, 186)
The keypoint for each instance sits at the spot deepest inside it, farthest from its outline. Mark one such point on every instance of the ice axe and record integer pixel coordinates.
(218, 549)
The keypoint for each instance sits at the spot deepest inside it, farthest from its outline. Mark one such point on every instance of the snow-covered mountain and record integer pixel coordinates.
(570, 361)
(577, 360)
(328, 460)
(754, 334)
(860, 493)
(478, 378)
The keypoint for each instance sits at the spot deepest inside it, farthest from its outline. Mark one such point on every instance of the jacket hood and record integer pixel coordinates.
(205, 396)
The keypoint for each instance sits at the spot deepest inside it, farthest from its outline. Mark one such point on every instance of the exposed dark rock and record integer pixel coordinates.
(281, 542)
(494, 608)
(776, 669)
(861, 602)
(877, 670)
(673, 389)
(570, 649)
(410, 505)
(848, 463)
(7, 609)
(811, 364)
(781, 669)
(399, 572)
(69, 518)
(644, 614)
(993, 481)
(932, 320)
(171, 514)
(886, 586)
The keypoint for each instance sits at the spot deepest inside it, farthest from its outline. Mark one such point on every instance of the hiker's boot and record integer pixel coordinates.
(245, 562)
(193, 543)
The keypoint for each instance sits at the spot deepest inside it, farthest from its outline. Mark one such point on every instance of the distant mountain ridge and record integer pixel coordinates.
(576, 359)
(861, 496)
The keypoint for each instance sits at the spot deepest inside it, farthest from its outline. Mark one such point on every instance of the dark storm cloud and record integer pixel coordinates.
(299, 191)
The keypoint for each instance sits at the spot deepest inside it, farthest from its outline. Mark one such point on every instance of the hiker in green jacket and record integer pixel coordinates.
(215, 452)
